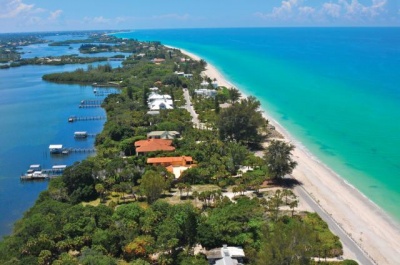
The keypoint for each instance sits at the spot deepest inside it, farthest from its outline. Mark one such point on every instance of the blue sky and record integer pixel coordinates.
(54, 15)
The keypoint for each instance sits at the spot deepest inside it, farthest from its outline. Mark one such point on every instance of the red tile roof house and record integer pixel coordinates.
(153, 145)
(175, 165)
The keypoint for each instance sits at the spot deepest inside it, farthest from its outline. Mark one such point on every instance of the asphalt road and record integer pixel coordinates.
(190, 108)
(360, 255)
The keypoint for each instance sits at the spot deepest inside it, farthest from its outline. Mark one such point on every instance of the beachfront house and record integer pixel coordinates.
(153, 145)
(205, 84)
(163, 135)
(175, 165)
(207, 93)
(226, 255)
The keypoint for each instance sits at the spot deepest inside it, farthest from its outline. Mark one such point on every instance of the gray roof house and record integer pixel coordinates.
(163, 135)
(226, 256)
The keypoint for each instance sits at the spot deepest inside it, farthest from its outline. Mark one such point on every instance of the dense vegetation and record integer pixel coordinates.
(58, 60)
(115, 209)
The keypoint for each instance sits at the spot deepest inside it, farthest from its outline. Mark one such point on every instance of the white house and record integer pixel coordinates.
(157, 102)
(205, 92)
(204, 84)
(226, 255)
(179, 73)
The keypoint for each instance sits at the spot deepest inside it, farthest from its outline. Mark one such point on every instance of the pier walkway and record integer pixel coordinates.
(89, 118)
(86, 106)
(91, 101)
(78, 150)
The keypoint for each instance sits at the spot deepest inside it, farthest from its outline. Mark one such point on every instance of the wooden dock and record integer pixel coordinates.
(67, 151)
(89, 118)
(86, 106)
(79, 150)
(91, 102)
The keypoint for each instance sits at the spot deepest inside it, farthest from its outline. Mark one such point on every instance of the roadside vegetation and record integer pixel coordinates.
(114, 208)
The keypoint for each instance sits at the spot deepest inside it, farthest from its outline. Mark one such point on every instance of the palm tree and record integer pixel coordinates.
(278, 159)
(293, 205)
(181, 186)
(100, 189)
(286, 193)
(188, 188)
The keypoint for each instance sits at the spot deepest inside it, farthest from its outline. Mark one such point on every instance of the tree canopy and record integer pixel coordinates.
(242, 122)
(279, 160)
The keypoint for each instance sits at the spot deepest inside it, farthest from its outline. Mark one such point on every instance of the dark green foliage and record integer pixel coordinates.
(152, 185)
(192, 260)
(93, 257)
(279, 160)
(79, 181)
(233, 223)
(286, 243)
(242, 122)
(234, 94)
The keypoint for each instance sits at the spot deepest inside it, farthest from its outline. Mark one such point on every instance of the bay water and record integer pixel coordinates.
(34, 114)
(336, 90)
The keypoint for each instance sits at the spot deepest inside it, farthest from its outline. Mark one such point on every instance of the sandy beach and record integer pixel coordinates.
(377, 234)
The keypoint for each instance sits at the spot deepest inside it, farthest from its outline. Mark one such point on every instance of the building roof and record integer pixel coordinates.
(177, 170)
(152, 145)
(226, 261)
(156, 160)
(55, 146)
(161, 133)
(225, 251)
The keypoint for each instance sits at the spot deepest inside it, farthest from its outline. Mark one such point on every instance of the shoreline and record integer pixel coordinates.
(364, 222)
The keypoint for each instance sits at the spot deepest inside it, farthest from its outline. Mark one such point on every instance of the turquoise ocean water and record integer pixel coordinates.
(336, 90)
(33, 115)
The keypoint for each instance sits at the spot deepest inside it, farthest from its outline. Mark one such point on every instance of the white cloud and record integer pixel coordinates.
(294, 11)
(16, 15)
(14, 8)
(55, 15)
(306, 10)
(101, 20)
(285, 10)
(332, 10)
(354, 9)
